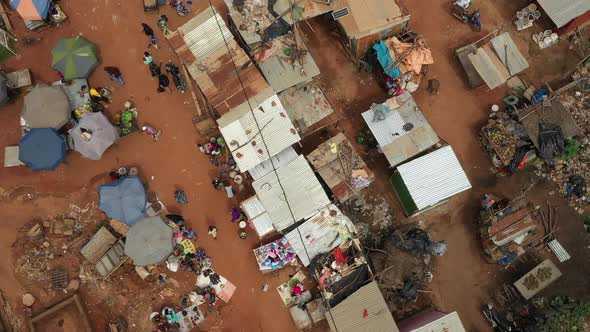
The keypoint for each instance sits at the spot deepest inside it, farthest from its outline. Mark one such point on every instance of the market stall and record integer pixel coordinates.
(274, 255)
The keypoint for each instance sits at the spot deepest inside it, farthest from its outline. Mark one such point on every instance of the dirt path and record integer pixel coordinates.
(173, 162)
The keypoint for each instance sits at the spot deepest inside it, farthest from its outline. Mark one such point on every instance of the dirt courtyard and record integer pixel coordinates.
(462, 279)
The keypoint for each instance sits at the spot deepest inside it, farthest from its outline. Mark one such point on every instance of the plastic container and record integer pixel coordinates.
(537, 14)
(547, 33)
(532, 8)
(554, 37)
(519, 15)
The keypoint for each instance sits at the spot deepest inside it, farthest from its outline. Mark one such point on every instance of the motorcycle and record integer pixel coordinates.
(498, 323)
(176, 77)
(460, 10)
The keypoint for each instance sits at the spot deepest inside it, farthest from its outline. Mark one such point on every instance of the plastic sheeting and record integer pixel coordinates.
(551, 141)
(385, 59)
(414, 54)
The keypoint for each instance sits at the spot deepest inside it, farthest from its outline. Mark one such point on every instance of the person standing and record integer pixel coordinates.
(163, 24)
(213, 232)
(147, 58)
(114, 74)
(152, 132)
(149, 32)
(163, 82)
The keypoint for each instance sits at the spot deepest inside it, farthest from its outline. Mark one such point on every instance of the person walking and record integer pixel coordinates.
(147, 58)
(213, 232)
(152, 132)
(151, 36)
(163, 24)
(163, 82)
(114, 74)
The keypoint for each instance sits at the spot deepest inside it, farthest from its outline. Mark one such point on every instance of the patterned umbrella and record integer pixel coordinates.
(75, 57)
(42, 149)
(102, 135)
(33, 10)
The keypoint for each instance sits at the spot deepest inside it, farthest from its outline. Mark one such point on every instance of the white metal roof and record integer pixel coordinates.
(323, 232)
(302, 189)
(256, 213)
(398, 144)
(281, 159)
(448, 323)
(245, 140)
(434, 177)
(201, 34)
(562, 12)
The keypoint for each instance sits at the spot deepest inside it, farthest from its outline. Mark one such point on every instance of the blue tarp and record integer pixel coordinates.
(31, 9)
(385, 59)
(123, 199)
(42, 149)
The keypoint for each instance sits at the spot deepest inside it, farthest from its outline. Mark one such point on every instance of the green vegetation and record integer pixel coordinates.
(567, 314)
(571, 149)
(5, 54)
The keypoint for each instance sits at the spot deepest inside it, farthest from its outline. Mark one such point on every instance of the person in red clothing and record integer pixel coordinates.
(114, 74)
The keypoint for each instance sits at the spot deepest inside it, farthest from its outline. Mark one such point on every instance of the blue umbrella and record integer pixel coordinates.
(42, 149)
(123, 199)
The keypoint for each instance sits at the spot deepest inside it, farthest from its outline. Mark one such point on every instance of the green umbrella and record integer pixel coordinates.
(75, 57)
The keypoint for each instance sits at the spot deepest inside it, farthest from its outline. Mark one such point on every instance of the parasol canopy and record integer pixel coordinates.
(46, 106)
(42, 149)
(31, 10)
(102, 135)
(74, 57)
(149, 241)
(123, 199)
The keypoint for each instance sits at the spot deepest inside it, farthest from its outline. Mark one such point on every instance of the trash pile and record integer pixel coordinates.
(403, 60)
(501, 136)
(571, 170)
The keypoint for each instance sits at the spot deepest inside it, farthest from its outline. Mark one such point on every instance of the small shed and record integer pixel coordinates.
(562, 12)
(341, 167)
(306, 104)
(364, 22)
(400, 128)
(492, 63)
(257, 216)
(259, 134)
(323, 232)
(429, 180)
(201, 45)
(364, 310)
(432, 321)
(298, 196)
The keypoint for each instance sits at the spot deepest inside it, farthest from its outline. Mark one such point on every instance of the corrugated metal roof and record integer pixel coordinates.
(281, 159)
(448, 323)
(205, 36)
(397, 143)
(323, 232)
(280, 71)
(562, 12)
(364, 310)
(256, 213)
(489, 67)
(306, 104)
(434, 177)
(245, 141)
(302, 189)
(199, 44)
(509, 53)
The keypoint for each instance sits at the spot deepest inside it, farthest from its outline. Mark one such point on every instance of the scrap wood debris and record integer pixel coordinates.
(572, 172)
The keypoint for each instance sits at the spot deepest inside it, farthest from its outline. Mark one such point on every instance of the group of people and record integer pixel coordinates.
(148, 59)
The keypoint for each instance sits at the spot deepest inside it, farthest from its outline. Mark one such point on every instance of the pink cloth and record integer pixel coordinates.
(149, 130)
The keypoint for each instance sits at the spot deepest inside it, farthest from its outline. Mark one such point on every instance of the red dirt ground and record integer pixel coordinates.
(461, 278)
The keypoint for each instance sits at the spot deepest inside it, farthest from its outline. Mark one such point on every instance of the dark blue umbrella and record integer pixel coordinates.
(123, 199)
(42, 149)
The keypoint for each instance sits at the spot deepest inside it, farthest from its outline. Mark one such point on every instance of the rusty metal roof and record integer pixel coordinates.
(364, 310)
